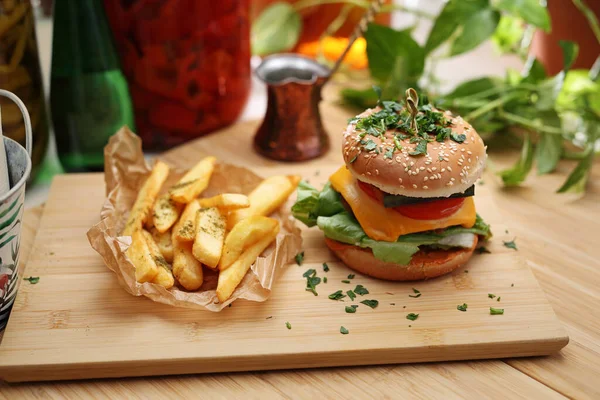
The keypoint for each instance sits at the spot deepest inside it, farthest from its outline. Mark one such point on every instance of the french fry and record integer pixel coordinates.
(186, 268)
(164, 277)
(210, 234)
(185, 230)
(194, 182)
(166, 213)
(146, 197)
(164, 241)
(226, 201)
(267, 197)
(139, 254)
(232, 276)
(244, 234)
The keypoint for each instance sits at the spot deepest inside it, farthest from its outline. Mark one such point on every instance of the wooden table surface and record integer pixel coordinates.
(555, 233)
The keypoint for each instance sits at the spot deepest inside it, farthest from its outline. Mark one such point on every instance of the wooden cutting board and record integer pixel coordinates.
(78, 323)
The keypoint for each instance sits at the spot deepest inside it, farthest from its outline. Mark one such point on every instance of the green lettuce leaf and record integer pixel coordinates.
(311, 203)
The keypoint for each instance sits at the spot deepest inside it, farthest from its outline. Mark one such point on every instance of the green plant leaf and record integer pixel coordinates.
(276, 29)
(529, 10)
(476, 29)
(550, 88)
(390, 51)
(548, 152)
(453, 16)
(366, 98)
(508, 34)
(517, 174)
(533, 71)
(578, 178)
(570, 52)
(472, 87)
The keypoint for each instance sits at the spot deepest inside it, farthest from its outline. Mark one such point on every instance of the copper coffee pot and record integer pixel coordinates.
(292, 128)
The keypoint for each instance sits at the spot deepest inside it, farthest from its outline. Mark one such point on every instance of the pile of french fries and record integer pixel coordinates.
(177, 234)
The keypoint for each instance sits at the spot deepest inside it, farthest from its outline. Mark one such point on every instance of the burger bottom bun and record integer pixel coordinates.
(424, 264)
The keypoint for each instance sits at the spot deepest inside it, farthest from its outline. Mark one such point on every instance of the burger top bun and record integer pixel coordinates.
(448, 167)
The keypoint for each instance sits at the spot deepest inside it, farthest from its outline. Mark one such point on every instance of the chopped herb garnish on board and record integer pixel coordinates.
(482, 250)
(351, 309)
(370, 303)
(351, 294)
(351, 276)
(499, 297)
(309, 272)
(269, 317)
(417, 293)
(511, 244)
(311, 284)
(345, 281)
(344, 331)
(496, 311)
(462, 307)
(325, 267)
(32, 279)
(361, 290)
(392, 304)
(337, 295)
(324, 279)
(491, 296)
(412, 316)
(288, 325)
(299, 258)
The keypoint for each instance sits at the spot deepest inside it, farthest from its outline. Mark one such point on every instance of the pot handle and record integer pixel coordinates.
(26, 119)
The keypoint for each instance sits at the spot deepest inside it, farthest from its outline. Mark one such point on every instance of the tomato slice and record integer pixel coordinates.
(371, 191)
(424, 211)
(432, 210)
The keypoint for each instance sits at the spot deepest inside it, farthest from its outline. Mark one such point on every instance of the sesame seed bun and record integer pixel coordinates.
(447, 168)
(424, 264)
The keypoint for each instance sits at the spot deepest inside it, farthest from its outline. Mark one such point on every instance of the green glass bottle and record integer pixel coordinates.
(89, 97)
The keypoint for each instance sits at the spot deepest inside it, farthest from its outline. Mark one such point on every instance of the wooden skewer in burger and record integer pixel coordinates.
(402, 207)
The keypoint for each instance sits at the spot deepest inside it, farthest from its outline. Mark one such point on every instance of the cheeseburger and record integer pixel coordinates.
(402, 207)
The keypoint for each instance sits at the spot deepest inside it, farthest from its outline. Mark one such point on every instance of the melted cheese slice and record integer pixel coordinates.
(385, 224)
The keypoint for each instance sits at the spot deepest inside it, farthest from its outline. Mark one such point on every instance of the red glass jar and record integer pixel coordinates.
(187, 63)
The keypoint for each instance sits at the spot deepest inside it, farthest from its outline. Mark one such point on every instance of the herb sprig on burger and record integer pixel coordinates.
(402, 207)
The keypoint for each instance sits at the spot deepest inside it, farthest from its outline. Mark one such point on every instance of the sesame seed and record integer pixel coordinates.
(469, 152)
(443, 169)
(469, 160)
(401, 186)
(376, 172)
(463, 149)
(422, 168)
(412, 163)
(400, 180)
(367, 156)
(449, 184)
(368, 173)
(404, 165)
(449, 168)
(452, 179)
(414, 186)
(426, 178)
(425, 187)
(427, 162)
(429, 170)
(434, 169)
(398, 159)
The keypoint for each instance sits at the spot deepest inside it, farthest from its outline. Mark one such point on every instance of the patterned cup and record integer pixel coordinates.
(11, 213)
